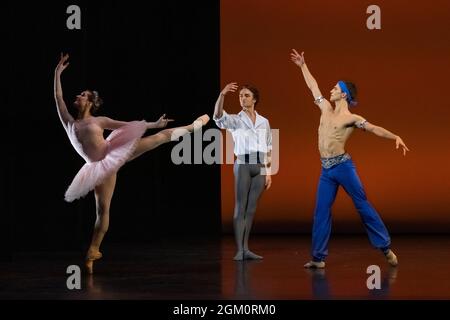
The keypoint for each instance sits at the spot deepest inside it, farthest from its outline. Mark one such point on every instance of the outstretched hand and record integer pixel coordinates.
(399, 142)
(231, 87)
(297, 58)
(62, 65)
(162, 122)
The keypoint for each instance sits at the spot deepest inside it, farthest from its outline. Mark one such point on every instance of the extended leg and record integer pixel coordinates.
(167, 135)
(376, 230)
(378, 234)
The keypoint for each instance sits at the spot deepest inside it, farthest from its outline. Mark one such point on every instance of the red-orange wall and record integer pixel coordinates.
(402, 72)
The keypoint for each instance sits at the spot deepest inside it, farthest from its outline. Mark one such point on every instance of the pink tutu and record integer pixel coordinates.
(121, 144)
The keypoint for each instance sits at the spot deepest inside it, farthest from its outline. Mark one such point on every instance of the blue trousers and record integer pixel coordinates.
(344, 174)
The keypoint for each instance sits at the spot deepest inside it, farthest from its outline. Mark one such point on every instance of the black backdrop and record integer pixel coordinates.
(145, 59)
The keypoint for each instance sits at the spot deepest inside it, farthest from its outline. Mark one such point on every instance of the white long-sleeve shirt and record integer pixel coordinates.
(248, 137)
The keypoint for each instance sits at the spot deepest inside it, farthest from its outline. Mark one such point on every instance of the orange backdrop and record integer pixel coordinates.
(401, 72)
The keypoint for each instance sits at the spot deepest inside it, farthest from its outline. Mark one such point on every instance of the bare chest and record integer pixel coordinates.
(330, 124)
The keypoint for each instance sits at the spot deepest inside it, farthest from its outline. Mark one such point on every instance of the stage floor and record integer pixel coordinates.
(191, 269)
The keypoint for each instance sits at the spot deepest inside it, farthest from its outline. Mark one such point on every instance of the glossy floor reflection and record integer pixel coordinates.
(204, 269)
(423, 271)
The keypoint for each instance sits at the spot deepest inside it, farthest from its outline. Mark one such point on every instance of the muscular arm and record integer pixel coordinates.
(299, 60)
(310, 81)
(381, 132)
(61, 107)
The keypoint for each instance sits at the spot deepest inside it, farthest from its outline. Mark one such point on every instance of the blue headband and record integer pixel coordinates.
(347, 92)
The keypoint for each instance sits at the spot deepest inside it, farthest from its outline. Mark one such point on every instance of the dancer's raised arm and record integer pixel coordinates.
(63, 113)
(299, 60)
(218, 109)
(221, 117)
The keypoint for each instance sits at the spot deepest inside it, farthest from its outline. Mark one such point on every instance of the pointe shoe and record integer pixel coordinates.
(204, 119)
(248, 255)
(391, 258)
(201, 121)
(315, 264)
(90, 258)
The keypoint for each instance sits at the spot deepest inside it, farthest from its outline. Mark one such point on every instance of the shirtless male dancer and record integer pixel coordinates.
(336, 125)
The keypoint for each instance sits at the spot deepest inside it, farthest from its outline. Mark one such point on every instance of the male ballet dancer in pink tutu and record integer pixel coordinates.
(104, 157)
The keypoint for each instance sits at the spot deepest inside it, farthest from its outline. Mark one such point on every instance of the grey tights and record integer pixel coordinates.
(249, 184)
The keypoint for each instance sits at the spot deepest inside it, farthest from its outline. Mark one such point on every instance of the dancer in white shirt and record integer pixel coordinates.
(252, 147)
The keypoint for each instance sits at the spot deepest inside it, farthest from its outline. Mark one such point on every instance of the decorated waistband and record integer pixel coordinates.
(328, 163)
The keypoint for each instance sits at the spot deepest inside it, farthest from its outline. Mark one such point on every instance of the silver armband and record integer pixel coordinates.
(319, 100)
(361, 125)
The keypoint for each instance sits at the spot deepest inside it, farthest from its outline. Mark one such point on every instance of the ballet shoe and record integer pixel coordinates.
(90, 258)
(391, 258)
(201, 121)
